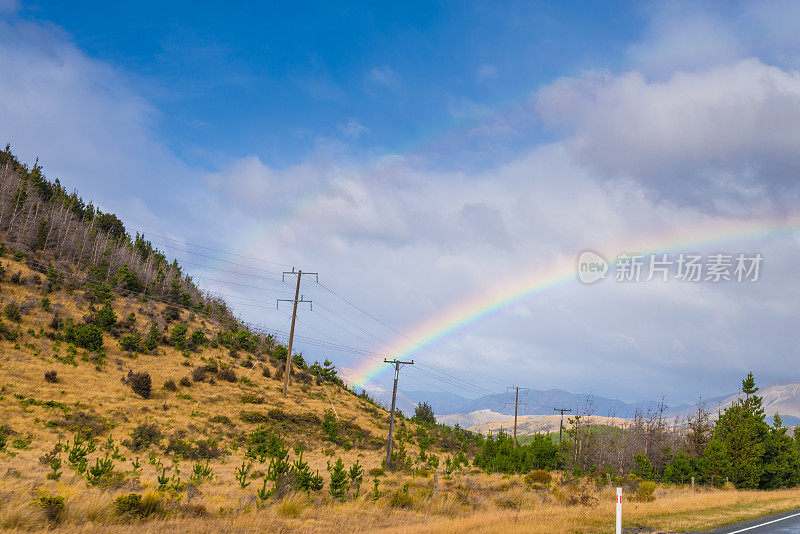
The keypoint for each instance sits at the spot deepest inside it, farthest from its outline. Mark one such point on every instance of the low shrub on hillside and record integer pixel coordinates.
(12, 312)
(134, 505)
(88, 336)
(131, 342)
(104, 318)
(51, 376)
(177, 337)
(263, 443)
(199, 373)
(141, 383)
(304, 377)
(227, 374)
(201, 449)
(171, 313)
(198, 338)
(169, 385)
(222, 419)
(143, 436)
(85, 423)
(153, 338)
(251, 398)
(254, 418)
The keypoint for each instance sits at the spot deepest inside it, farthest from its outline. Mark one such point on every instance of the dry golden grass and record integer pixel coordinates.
(464, 503)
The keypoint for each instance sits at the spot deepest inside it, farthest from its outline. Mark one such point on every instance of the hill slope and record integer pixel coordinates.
(117, 371)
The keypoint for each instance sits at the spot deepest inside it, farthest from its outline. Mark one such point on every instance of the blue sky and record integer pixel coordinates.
(272, 79)
(417, 154)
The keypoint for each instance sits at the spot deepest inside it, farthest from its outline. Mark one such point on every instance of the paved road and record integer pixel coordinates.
(785, 523)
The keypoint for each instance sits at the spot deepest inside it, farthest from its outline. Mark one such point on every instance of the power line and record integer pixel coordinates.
(217, 250)
(483, 376)
(362, 310)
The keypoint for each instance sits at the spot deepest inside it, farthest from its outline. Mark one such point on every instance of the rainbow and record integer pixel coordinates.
(562, 272)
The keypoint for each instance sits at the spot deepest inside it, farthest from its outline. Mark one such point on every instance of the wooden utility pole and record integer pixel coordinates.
(561, 426)
(397, 363)
(516, 404)
(297, 298)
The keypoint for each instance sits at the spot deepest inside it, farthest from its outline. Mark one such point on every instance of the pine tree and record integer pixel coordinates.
(153, 337)
(742, 430)
(338, 485)
(356, 476)
(423, 413)
(781, 458)
(715, 465)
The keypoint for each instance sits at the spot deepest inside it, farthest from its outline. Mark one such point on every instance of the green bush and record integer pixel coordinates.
(143, 436)
(5, 430)
(12, 311)
(644, 493)
(131, 342)
(130, 504)
(177, 337)
(199, 338)
(127, 279)
(251, 398)
(330, 426)
(153, 337)
(88, 336)
(263, 444)
(105, 317)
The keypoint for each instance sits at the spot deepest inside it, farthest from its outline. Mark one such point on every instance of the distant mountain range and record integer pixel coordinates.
(782, 398)
(532, 402)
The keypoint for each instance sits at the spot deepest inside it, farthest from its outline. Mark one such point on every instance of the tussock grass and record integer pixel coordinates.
(292, 505)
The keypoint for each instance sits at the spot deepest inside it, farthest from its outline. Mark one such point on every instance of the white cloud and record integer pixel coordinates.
(717, 124)
(84, 121)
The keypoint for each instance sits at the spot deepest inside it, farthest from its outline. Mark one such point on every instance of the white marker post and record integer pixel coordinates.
(619, 510)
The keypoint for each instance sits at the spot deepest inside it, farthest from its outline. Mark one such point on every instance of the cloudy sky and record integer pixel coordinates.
(416, 155)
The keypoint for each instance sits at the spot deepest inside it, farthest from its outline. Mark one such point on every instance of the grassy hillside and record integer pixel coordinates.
(74, 362)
